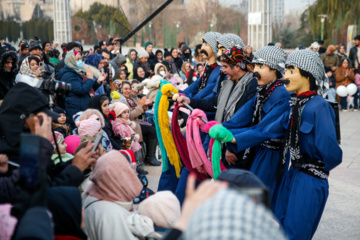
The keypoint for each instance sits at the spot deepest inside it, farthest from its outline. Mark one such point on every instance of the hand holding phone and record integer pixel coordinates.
(97, 141)
(85, 158)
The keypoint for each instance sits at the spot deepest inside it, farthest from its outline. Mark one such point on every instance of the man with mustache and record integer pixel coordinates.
(259, 126)
(239, 87)
(203, 87)
(312, 146)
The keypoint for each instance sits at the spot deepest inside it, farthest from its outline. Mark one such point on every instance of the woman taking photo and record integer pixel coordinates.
(82, 84)
(29, 71)
(147, 133)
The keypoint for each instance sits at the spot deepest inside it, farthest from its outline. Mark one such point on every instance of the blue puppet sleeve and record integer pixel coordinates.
(271, 126)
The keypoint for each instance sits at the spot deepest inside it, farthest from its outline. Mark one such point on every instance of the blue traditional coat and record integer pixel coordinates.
(301, 197)
(273, 124)
(208, 91)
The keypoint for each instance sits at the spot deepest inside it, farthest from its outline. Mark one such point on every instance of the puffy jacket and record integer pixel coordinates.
(79, 96)
(353, 56)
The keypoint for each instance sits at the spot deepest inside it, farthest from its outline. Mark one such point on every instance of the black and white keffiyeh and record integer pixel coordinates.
(231, 215)
(264, 92)
(229, 40)
(211, 38)
(271, 56)
(292, 140)
(310, 62)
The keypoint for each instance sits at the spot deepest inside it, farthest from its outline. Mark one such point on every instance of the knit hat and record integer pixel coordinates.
(162, 207)
(333, 48)
(72, 143)
(315, 45)
(211, 38)
(310, 62)
(167, 53)
(34, 44)
(25, 45)
(237, 56)
(147, 44)
(231, 215)
(229, 40)
(142, 53)
(113, 179)
(119, 108)
(89, 127)
(272, 57)
(58, 110)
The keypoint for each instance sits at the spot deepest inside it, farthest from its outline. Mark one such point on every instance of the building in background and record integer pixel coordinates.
(84, 5)
(277, 11)
(38, 8)
(11, 9)
(62, 21)
(259, 23)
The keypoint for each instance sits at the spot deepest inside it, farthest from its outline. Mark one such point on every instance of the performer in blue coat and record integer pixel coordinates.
(267, 114)
(311, 144)
(204, 85)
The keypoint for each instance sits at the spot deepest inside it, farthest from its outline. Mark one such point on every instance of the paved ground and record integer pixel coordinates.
(341, 218)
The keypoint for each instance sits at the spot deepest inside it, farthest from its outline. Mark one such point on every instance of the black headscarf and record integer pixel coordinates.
(95, 103)
(65, 205)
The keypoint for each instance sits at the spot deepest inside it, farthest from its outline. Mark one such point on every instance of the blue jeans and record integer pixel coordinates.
(332, 95)
(344, 103)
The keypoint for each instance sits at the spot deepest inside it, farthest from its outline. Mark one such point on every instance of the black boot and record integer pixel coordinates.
(141, 171)
(150, 156)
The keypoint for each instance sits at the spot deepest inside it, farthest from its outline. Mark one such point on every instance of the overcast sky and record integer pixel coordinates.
(296, 4)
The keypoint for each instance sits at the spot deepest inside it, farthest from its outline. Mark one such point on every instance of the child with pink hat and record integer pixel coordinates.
(123, 126)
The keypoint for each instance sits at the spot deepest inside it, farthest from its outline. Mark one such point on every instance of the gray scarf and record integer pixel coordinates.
(226, 105)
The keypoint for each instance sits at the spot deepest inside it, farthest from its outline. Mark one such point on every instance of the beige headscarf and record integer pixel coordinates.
(70, 61)
(113, 179)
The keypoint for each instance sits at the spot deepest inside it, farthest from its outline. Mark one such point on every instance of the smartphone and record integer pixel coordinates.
(30, 161)
(97, 141)
(42, 65)
(259, 195)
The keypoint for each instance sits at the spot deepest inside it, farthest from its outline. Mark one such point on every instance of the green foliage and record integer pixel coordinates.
(104, 15)
(288, 38)
(42, 28)
(340, 14)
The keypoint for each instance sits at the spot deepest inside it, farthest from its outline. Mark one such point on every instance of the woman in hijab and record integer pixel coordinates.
(101, 103)
(96, 60)
(139, 73)
(81, 78)
(176, 59)
(65, 205)
(109, 199)
(29, 71)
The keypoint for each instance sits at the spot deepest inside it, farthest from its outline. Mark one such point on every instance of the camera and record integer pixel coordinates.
(49, 86)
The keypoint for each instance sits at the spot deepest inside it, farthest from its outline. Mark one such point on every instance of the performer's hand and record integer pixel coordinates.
(194, 198)
(221, 133)
(230, 157)
(182, 99)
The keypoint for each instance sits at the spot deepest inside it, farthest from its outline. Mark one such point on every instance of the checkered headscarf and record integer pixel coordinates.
(230, 215)
(272, 57)
(229, 40)
(310, 62)
(211, 38)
